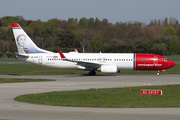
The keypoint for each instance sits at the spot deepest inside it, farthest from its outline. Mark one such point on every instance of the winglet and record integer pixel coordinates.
(61, 54)
(75, 50)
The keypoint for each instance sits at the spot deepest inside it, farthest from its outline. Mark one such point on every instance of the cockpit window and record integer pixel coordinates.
(165, 59)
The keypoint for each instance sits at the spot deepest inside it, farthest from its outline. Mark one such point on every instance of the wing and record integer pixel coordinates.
(82, 63)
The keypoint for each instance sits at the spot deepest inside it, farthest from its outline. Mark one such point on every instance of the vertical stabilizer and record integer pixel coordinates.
(23, 42)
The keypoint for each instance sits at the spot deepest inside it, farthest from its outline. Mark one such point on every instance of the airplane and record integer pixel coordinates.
(103, 62)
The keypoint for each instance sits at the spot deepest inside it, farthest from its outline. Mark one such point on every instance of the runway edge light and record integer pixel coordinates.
(129, 87)
(124, 87)
(151, 92)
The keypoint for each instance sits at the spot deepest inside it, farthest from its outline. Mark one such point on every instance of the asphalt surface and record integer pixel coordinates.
(13, 110)
(177, 62)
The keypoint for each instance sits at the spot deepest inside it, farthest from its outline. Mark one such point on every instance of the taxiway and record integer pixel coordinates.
(10, 109)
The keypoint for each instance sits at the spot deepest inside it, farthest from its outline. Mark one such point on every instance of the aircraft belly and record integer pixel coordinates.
(125, 66)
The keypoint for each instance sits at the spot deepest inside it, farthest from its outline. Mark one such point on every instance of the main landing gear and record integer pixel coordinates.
(92, 73)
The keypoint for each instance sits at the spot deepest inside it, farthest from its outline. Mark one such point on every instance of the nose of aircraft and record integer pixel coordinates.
(172, 64)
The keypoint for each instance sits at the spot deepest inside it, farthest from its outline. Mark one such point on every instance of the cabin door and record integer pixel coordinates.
(40, 59)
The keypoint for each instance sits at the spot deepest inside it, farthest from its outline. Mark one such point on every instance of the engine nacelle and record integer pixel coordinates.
(109, 69)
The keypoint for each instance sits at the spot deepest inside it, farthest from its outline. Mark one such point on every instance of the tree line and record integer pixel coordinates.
(94, 35)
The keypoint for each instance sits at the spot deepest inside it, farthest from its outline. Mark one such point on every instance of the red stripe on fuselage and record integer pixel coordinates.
(151, 62)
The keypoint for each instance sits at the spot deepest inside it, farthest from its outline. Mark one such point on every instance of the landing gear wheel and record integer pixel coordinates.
(158, 74)
(92, 73)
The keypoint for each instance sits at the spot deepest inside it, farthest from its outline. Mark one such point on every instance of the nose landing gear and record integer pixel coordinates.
(157, 73)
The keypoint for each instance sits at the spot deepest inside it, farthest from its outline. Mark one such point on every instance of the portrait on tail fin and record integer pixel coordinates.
(21, 39)
(24, 43)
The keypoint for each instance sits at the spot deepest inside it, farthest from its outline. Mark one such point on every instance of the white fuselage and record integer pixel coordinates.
(124, 61)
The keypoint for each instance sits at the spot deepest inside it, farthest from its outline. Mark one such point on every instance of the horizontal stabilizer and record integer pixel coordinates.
(17, 54)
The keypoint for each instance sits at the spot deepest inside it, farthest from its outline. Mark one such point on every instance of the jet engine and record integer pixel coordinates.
(109, 69)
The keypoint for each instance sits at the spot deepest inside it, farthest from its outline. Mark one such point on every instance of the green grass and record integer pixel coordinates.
(9, 60)
(174, 57)
(14, 80)
(37, 70)
(110, 98)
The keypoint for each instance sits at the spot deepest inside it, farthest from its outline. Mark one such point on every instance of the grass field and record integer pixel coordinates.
(9, 60)
(110, 98)
(37, 70)
(15, 80)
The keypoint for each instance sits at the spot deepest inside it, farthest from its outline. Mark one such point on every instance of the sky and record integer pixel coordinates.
(113, 10)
